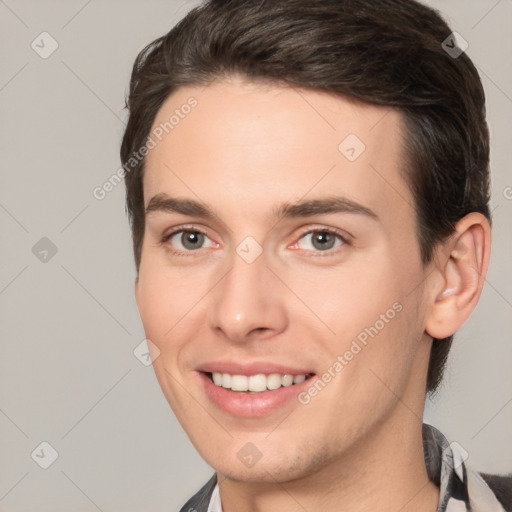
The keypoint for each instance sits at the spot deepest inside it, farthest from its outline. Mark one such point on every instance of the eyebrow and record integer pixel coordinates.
(164, 203)
(302, 208)
(312, 207)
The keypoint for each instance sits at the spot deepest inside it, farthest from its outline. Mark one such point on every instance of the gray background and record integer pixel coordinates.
(69, 325)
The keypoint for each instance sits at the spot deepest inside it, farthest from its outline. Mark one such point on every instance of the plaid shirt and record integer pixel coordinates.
(461, 489)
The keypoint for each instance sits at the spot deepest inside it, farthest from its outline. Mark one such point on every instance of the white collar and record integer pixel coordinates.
(215, 504)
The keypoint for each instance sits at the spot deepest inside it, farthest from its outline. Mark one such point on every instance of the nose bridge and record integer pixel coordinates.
(246, 298)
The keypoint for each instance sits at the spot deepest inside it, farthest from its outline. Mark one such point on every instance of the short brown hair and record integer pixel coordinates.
(383, 52)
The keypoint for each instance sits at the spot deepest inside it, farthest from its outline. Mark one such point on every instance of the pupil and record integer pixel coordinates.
(323, 241)
(191, 240)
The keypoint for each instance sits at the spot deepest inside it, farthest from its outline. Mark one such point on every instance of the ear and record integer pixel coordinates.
(462, 264)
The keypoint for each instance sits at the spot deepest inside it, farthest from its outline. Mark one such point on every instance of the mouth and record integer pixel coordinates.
(258, 383)
(253, 395)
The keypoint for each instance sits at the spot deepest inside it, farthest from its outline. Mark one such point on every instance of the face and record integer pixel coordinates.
(280, 280)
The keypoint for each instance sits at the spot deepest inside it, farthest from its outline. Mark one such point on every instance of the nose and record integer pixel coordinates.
(248, 302)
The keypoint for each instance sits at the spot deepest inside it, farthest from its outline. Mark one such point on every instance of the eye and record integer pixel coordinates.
(320, 240)
(186, 240)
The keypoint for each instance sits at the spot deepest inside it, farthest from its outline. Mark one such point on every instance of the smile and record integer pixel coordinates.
(256, 383)
(253, 396)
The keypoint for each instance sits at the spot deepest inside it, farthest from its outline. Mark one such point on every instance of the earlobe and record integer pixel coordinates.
(463, 271)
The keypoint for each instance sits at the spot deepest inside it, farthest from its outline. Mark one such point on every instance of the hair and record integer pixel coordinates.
(390, 53)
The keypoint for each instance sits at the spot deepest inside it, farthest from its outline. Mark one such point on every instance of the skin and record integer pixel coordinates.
(244, 151)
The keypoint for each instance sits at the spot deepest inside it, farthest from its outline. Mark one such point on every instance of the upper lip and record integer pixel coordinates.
(252, 368)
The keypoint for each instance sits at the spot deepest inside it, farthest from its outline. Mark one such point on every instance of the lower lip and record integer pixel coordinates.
(250, 405)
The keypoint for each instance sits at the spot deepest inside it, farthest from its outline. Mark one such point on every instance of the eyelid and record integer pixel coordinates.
(186, 227)
(345, 237)
(178, 229)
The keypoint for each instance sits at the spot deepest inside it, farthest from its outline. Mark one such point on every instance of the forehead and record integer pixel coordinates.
(261, 144)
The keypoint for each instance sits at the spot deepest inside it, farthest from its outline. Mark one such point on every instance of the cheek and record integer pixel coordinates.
(162, 304)
(165, 296)
(152, 303)
(372, 315)
(351, 297)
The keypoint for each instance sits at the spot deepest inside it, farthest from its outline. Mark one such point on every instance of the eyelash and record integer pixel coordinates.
(345, 239)
(185, 229)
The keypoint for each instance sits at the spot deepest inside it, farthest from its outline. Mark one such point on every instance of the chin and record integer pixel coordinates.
(262, 461)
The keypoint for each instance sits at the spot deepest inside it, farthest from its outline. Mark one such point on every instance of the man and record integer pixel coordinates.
(307, 184)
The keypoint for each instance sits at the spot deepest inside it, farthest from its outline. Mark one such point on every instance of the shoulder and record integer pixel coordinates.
(200, 501)
(501, 486)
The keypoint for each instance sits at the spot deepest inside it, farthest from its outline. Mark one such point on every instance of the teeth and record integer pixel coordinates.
(256, 383)
(226, 380)
(239, 383)
(274, 381)
(287, 380)
(217, 379)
